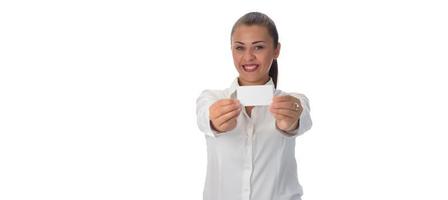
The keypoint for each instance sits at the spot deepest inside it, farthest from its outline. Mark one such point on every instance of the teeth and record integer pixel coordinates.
(250, 68)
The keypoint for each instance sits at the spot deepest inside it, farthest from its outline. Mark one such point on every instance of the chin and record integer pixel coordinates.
(251, 78)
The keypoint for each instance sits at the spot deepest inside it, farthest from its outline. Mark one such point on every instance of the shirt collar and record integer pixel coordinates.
(234, 86)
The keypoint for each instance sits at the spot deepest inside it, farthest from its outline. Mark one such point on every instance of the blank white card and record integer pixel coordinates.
(256, 95)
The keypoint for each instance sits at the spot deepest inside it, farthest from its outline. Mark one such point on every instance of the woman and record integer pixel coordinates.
(251, 151)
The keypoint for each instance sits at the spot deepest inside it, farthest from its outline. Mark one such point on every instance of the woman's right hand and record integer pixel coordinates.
(223, 114)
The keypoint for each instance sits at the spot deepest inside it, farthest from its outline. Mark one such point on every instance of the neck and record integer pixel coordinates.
(258, 82)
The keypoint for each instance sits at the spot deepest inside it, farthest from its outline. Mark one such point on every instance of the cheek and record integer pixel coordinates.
(236, 61)
(236, 57)
(267, 60)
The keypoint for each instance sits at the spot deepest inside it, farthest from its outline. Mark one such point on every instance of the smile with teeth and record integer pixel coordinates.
(250, 67)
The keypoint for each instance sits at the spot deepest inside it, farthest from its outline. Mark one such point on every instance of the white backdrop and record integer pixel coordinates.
(97, 98)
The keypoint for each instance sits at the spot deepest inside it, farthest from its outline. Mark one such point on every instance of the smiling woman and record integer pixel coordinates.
(251, 151)
(255, 48)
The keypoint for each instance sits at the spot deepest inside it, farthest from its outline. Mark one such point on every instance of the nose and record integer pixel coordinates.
(249, 55)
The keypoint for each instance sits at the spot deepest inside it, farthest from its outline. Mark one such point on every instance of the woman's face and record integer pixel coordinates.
(253, 52)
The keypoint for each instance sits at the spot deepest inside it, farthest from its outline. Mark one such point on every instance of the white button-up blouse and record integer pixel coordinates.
(255, 160)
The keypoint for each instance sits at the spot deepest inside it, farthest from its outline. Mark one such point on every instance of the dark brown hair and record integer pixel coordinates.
(257, 18)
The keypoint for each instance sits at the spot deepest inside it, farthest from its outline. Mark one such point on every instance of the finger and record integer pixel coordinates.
(228, 116)
(283, 98)
(217, 110)
(290, 105)
(226, 119)
(229, 125)
(287, 112)
(224, 102)
(281, 117)
(226, 109)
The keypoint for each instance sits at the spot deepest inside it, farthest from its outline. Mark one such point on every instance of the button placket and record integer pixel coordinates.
(248, 167)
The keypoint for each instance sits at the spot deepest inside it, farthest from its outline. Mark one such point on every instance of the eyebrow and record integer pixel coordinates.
(252, 42)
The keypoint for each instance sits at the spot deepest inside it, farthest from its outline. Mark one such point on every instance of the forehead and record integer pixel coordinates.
(247, 34)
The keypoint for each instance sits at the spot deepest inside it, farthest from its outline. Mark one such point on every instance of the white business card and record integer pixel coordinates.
(256, 95)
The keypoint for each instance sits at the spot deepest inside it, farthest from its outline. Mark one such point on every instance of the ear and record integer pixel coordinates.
(277, 51)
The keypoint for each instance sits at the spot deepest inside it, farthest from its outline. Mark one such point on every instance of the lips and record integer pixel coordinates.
(250, 67)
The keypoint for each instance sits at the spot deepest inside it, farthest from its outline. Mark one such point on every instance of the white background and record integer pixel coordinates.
(97, 98)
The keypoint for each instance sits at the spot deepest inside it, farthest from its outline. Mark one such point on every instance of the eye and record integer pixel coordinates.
(239, 48)
(259, 47)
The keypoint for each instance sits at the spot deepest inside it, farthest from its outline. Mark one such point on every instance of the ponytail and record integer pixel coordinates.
(273, 72)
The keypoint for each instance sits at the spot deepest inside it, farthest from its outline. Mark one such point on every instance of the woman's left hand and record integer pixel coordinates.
(286, 111)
